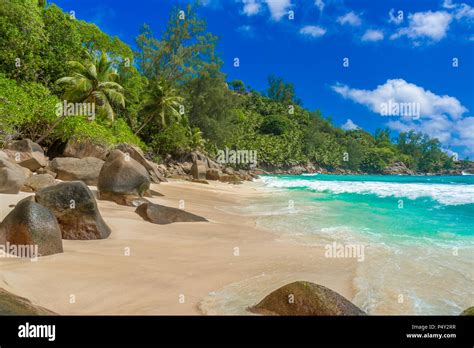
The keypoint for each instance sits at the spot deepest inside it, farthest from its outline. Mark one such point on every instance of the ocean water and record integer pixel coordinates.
(417, 234)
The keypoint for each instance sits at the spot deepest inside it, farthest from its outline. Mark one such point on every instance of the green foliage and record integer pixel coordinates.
(80, 128)
(173, 140)
(22, 38)
(210, 106)
(280, 90)
(42, 44)
(94, 81)
(184, 50)
(238, 86)
(161, 104)
(26, 109)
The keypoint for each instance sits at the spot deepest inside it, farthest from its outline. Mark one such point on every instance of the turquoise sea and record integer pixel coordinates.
(417, 233)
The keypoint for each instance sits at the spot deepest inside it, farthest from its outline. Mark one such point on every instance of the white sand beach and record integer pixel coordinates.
(177, 269)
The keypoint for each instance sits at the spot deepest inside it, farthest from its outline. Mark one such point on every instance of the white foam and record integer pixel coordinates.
(443, 193)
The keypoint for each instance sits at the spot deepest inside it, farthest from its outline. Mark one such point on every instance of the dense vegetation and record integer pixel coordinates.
(170, 97)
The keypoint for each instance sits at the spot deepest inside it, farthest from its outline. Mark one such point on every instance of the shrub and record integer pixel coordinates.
(173, 140)
(26, 109)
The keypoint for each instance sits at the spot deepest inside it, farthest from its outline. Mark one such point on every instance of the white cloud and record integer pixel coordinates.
(401, 91)
(319, 4)
(425, 25)
(392, 18)
(349, 125)
(465, 129)
(278, 8)
(440, 115)
(349, 18)
(372, 35)
(251, 7)
(312, 31)
(460, 10)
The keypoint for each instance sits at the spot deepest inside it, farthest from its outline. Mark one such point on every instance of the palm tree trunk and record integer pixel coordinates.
(51, 128)
(144, 124)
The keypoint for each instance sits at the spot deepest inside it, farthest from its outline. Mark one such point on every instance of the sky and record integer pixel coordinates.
(370, 64)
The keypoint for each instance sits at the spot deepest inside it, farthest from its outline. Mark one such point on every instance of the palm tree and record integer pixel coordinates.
(91, 82)
(162, 103)
(94, 82)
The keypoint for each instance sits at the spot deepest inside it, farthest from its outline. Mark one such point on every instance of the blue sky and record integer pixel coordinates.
(394, 57)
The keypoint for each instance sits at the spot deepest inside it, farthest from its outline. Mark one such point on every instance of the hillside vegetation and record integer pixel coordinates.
(170, 97)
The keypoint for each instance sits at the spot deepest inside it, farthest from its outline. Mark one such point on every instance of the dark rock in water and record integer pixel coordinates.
(122, 176)
(75, 207)
(305, 299)
(137, 154)
(30, 223)
(12, 176)
(469, 311)
(11, 304)
(70, 169)
(84, 148)
(198, 170)
(160, 214)
(38, 181)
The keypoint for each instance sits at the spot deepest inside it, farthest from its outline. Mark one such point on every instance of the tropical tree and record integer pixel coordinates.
(162, 104)
(94, 81)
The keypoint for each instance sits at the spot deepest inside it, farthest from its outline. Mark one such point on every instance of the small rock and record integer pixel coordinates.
(213, 174)
(160, 214)
(86, 169)
(12, 176)
(198, 170)
(84, 148)
(38, 181)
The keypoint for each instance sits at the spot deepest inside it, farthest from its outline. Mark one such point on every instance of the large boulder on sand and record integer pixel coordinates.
(199, 170)
(70, 169)
(30, 223)
(122, 178)
(305, 299)
(162, 215)
(11, 304)
(84, 148)
(75, 207)
(37, 182)
(26, 153)
(12, 176)
(137, 154)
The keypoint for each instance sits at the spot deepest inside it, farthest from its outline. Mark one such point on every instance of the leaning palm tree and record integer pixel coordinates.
(162, 104)
(94, 81)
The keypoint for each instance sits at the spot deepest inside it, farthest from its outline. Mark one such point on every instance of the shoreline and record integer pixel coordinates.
(172, 269)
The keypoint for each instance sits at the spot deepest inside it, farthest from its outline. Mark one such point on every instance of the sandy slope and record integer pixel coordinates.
(192, 263)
